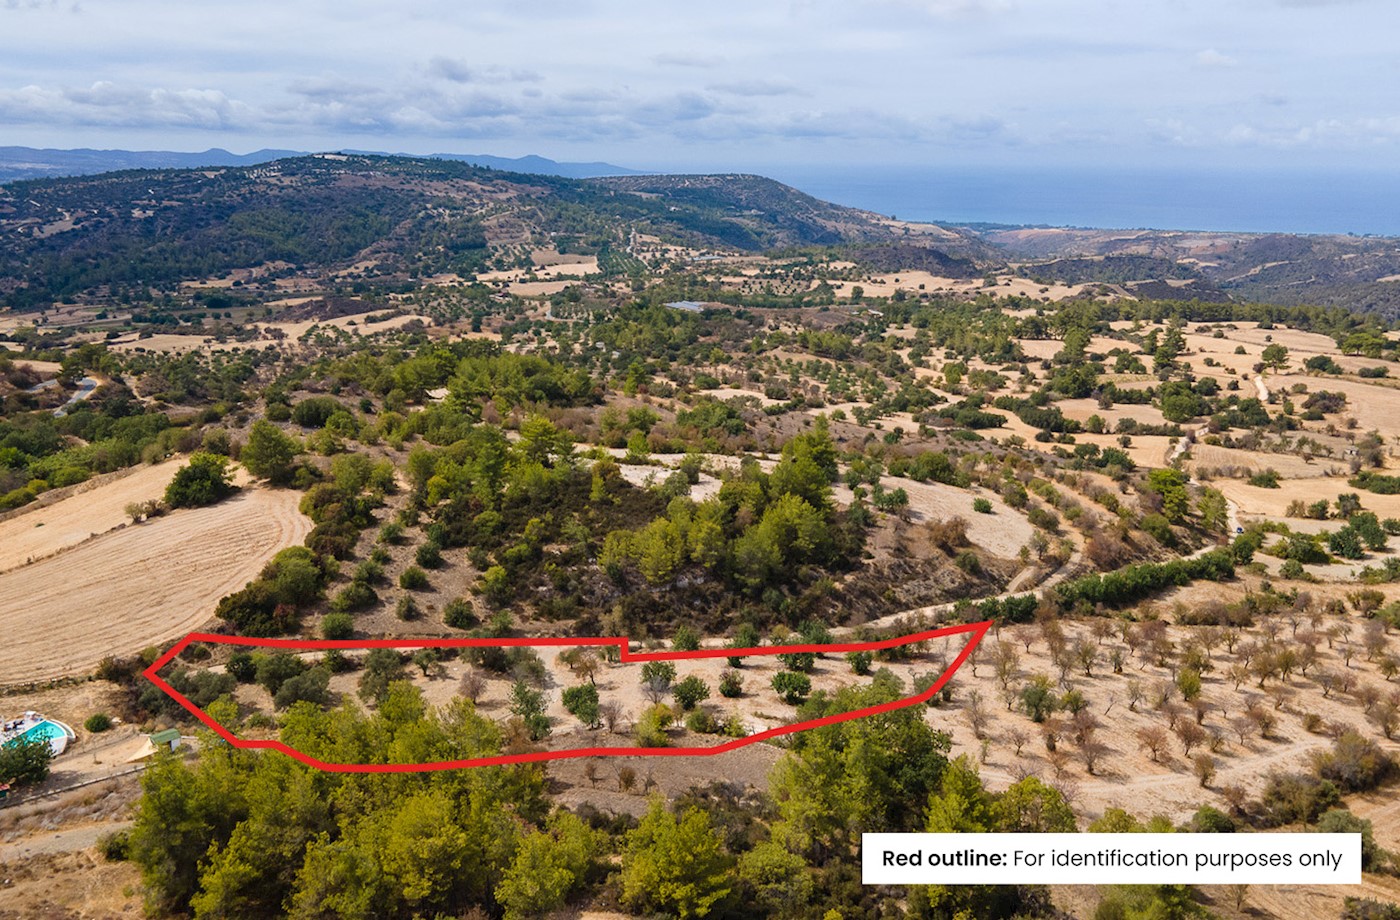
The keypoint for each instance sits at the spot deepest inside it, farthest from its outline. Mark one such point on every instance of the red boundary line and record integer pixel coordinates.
(977, 631)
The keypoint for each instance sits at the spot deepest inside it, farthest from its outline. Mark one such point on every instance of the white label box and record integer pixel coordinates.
(1111, 859)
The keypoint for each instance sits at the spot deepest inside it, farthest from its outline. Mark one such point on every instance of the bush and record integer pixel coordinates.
(730, 684)
(792, 686)
(982, 505)
(382, 667)
(338, 625)
(1290, 798)
(203, 481)
(1159, 528)
(1208, 820)
(798, 661)
(582, 703)
(860, 662)
(116, 846)
(1268, 479)
(312, 686)
(701, 722)
(690, 692)
(98, 722)
(458, 614)
(651, 727)
(429, 555)
(276, 669)
(336, 661)
(1341, 821)
(413, 579)
(1355, 763)
(316, 411)
(686, 639)
(242, 667)
(1368, 909)
(355, 596)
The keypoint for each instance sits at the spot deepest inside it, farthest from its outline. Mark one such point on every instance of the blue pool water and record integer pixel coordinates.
(44, 731)
(54, 733)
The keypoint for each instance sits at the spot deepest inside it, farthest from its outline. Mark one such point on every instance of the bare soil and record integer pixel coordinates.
(139, 585)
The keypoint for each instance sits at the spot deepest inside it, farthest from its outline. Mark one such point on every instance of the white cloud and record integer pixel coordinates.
(1212, 58)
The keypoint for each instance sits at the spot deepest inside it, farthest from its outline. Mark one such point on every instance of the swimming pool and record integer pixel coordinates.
(55, 733)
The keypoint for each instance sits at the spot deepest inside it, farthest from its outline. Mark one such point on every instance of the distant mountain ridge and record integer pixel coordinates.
(49, 163)
(532, 164)
(409, 217)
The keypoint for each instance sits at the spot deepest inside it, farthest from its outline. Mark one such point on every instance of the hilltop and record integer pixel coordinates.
(394, 223)
(407, 218)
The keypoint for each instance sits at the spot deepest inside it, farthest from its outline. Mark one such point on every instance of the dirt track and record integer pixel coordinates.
(137, 586)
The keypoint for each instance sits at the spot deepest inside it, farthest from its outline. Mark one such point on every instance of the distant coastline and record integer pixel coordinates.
(1294, 201)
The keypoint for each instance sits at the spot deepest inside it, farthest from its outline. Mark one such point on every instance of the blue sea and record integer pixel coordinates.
(1283, 201)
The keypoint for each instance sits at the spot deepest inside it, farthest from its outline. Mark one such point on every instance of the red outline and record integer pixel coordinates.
(978, 631)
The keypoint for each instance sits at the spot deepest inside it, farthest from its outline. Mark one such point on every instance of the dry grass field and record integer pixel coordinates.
(38, 530)
(139, 585)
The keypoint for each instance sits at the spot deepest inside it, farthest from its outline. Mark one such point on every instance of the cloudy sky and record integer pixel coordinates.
(717, 85)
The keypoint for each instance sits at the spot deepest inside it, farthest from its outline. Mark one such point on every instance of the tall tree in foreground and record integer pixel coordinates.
(269, 453)
(674, 864)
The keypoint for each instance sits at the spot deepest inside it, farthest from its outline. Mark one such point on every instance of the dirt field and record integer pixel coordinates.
(1274, 502)
(43, 531)
(1289, 466)
(138, 586)
(1127, 777)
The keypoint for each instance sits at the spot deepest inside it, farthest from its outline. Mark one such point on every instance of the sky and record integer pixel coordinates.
(720, 85)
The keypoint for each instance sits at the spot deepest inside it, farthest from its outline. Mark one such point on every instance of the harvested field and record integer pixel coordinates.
(138, 586)
(1373, 406)
(1208, 457)
(37, 532)
(1274, 502)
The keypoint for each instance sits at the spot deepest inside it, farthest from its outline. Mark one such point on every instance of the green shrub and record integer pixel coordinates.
(203, 481)
(982, 505)
(686, 639)
(338, 625)
(116, 846)
(860, 662)
(1208, 820)
(731, 684)
(242, 667)
(792, 686)
(413, 579)
(459, 614)
(354, 596)
(650, 730)
(98, 722)
(582, 703)
(701, 722)
(1268, 479)
(407, 608)
(337, 662)
(429, 555)
(277, 668)
(311, 686)
(690, 692)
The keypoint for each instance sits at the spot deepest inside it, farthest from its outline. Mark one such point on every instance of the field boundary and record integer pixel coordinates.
(975, 630)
